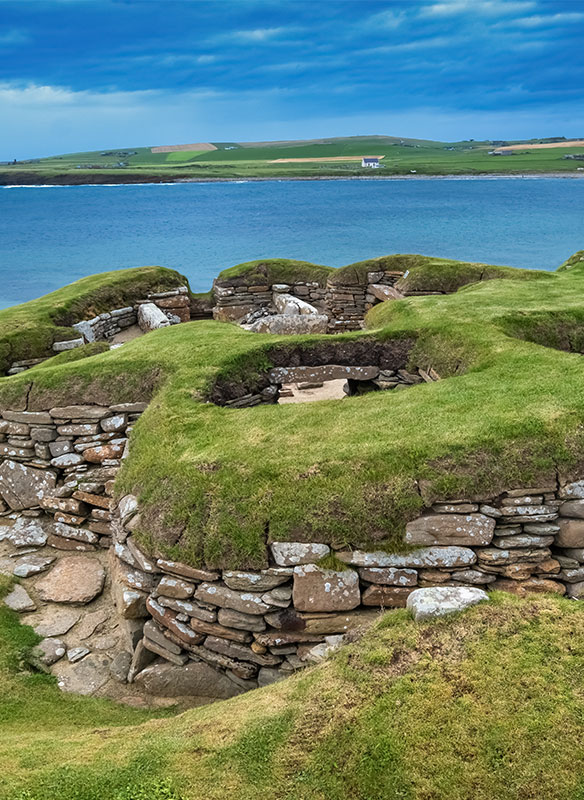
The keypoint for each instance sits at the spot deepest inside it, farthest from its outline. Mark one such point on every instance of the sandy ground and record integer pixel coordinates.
(133, 332)
(313, 160)
(330, 390)
(547, 146)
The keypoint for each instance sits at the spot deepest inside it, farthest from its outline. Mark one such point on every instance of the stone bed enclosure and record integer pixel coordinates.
(213, 632)
(170, 307)
(338, 307)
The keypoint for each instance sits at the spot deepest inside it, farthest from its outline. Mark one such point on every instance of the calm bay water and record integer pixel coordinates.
(50, 236)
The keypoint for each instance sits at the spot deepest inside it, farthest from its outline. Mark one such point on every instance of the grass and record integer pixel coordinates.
(400, 157)
(481, 705)
(214, 482)
(276, 270)
(29, 330)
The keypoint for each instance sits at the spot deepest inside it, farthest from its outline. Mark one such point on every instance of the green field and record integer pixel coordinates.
(244, 160)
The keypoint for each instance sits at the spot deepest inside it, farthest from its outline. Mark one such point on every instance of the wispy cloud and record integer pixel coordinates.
(14, 37)
(489, 8)
(547, 20)
(257, 35)
(388, 19)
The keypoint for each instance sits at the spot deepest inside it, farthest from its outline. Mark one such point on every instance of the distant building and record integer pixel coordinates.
(372, 162)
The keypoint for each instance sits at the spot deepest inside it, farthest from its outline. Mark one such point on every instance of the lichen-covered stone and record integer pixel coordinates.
(571, 533)
(389, 576)
(317, 589)
(439, 557)
(470, 530)
(74, 579)
(386, 596)
(291, 554)
(218, 595)
(440, 600)
(22, 486)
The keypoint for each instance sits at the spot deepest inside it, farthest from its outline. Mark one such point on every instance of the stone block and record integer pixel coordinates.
(317, 589)
(571, 534)
(386, 596)
(218, 595)
(470, 530)
(441, 600)
(425, 557)
(291, 554)
(22, 486)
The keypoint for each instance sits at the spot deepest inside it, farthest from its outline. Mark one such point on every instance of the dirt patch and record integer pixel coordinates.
(546, 146)
(313, 160)
(127, 335)
(179, 148)
(330, 390)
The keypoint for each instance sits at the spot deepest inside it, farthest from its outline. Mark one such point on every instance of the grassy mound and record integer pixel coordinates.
(266, 272)
(215, 484)
(484, 705)
(29, 330)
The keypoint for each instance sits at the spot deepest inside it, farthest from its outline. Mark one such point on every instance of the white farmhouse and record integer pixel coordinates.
(370, 161)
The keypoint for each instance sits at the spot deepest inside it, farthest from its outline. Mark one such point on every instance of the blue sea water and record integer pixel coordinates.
(50, 236)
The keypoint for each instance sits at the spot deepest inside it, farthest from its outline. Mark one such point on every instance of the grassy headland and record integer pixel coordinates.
(244, 160)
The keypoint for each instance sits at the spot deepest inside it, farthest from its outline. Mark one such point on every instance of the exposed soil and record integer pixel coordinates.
(546, 146)
(313, 160)
(330, 390)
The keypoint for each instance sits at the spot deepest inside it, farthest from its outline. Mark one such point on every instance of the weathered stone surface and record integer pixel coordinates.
(79, 412)
(522, 540)
(24, 487)
(451, 529)
(74, 579)
(290, 324)
(191, 609)
(440, 600)
(543, 512)
(78, 429)
(65, 504)
(194, 679)
(185, 571)
(571, 533)
(217, 595)
(572, 491)
(175, 658)
(327, 372)
(240, 652)
(175, 587)
(498, 556)
(288, 304)
(245, 622)
(577, 553)
(168, 619)
(389, 576)
(78, 534)
(456, 508)
(19, 600)
(61, 543)
(269, 675)
(76, 654)
(48, 652)
(150, 317)
(472, 576)
(130, 603)
(31, 564)
(243, 669)
(252, 581)
(27, 533)
(572, 575)
(99, 500)
(55, 621)
(28, 417)
(114, 424)
(213, 629)
(139, 558)
(431, 557)
(67, 460)
(85, 677)
(104, 452)
(386, 596)
(382, 292)
(537, 585)
(317, 589)
(120, 666)
(291, 554)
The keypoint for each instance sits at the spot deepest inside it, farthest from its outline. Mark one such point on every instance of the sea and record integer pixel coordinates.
(53, 235)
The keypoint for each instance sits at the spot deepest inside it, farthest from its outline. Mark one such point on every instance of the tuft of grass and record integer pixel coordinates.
(276, 270)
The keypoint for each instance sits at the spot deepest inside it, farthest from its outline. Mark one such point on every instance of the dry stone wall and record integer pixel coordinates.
(217, 632)
(345, 305)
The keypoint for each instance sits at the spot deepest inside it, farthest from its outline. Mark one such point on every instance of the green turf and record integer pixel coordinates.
(483, 705)
(214, 482)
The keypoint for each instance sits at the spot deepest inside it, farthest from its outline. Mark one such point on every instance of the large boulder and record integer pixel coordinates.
(571, 533)
(194, 679)
(471, 530)
(24, 487)
(74, 579)
(291, 324)
(288, 304)
(436, 601)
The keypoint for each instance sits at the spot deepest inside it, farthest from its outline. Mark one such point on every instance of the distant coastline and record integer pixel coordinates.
(36, 180)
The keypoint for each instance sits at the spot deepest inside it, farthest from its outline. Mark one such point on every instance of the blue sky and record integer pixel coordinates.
(87, 74)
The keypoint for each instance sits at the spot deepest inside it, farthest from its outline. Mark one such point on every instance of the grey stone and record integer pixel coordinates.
(56, 621)
(269, 675)
(194, 679)
(74, 579)
(291, 554)
(571, 534)
(69, 344)
(217, 595)
(317, 589)
(22, 486)
(79, 412)
(236, 619)
(451, 529)
(252, 581)
(31, 565)
(425, 557)
(436, 601)
(48, 652)
(27, 533)
(390, 576)
(76, 654)
(120, 666)
(19, 600)
(523, 540)
(67, 460)
(86, 677)
(290, 324)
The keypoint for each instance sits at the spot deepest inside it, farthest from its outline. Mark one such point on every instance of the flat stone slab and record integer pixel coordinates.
(24, 487)
(48, 652)
(54, 621)
(471, 530)
(85, 677)
(74, 579)
(571, 533)
(32, 564)
(437, 601)
(291, 554)
(27, 533)
(195, 678)
(317, 589)
(19, 600)
(328, 372)
(425, 557)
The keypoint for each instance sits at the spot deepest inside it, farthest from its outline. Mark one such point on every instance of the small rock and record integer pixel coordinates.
(32, 565)
(27, 533)
(76, 654)
(48, 652)
(56, 621)
(19, 600)
(120, 666)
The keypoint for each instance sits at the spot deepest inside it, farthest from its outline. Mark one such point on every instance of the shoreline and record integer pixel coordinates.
(168, 180)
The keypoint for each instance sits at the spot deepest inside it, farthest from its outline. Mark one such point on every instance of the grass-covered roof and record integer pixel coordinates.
(216, 483)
